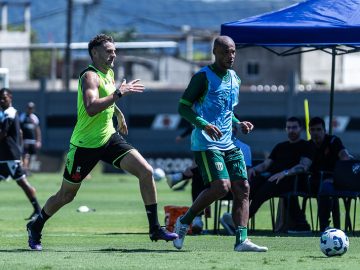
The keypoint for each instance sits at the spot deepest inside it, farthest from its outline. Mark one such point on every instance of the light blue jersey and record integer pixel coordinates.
(216, 107)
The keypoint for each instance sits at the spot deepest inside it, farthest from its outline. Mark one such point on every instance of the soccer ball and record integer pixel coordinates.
(334, 242)
(158, 174)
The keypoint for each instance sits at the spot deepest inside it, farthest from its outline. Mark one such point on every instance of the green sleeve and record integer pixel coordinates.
(194, 92)
(234, 119)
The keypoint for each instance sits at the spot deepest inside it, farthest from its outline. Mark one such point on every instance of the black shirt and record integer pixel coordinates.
(286, 155)
(327, 154)
(10, 144)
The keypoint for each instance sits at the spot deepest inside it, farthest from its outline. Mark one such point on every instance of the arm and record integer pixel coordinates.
(122, 127)
(302, 167)
(260, 168)
(345, 155)
(93, 104)
(245, 126)
(38, 137)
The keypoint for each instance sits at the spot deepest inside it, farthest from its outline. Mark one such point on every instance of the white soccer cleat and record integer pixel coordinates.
(227, 222)
(248, 246)
(181, 230)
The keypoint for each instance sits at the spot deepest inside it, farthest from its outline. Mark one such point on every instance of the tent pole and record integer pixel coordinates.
(332, 89)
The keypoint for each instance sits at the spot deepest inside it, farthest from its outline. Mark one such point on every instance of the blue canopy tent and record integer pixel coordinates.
(330, 26)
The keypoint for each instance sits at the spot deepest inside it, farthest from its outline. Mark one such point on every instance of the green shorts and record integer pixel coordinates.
(221, 165)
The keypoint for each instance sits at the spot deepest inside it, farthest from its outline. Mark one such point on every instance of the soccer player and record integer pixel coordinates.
(30, 127)
(94, 138)
(10, 149)
(213, 93)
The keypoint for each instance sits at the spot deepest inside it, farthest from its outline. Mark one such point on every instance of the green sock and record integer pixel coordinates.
(188, 217)
(241, 235)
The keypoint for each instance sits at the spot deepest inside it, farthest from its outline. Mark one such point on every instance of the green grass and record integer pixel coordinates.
(115, 235)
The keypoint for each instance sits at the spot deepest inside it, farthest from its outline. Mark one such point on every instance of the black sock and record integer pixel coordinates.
(151, 212)
(40, 221)
(36, 205)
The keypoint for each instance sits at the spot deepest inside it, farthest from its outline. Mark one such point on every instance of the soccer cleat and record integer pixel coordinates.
(248, 246)
(197, 225)
(161, 234)
(228, 223)
(173, 178)
(33, 215)
(181, 231)
(34, 237)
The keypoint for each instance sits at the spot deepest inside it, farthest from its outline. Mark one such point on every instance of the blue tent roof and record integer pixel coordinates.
(309, 23)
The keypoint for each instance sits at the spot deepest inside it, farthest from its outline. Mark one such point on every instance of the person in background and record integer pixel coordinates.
(30, 127)
(10, 149)
(329, 149)
(276, 174)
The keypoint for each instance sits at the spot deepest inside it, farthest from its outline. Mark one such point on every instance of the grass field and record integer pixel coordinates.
(115, 235)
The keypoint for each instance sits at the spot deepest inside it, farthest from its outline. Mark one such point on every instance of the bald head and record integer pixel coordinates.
(224, 51)
(223, 41)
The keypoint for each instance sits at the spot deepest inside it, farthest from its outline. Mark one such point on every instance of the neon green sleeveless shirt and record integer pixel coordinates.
(94, 131)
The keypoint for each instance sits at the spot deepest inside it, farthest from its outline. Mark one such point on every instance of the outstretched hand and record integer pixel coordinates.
(131, 87)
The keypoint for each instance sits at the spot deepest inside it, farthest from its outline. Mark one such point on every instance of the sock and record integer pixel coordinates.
(39, 222)
(241, 235)
(151, 212)
(188, 217)
(36, 205)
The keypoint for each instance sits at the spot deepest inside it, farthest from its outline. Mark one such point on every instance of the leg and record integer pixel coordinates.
(240, 211)
(197, 186)
(134, 163)
(30, 194)
(65, 195)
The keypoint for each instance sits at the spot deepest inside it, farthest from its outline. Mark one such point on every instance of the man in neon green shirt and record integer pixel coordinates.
(94, 138)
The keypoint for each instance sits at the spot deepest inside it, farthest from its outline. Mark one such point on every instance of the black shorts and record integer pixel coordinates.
(80, 161)
(29, 149)
(11, 168)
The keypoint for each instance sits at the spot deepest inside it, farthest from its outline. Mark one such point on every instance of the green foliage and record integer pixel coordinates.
(40, 61)
(40, 64)
(127, 35)
(115, 235)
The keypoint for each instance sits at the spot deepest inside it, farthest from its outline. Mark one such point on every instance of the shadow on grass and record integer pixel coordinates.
(136, 250)
(123, 233)
(104, 250)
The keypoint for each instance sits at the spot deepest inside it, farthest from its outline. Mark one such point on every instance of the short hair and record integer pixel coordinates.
(97, 41)
(316, 121)
(294, 119)
(5, 90)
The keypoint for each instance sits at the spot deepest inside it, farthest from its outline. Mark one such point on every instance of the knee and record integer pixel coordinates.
(222, 188)
(67, 197)
(242, 190)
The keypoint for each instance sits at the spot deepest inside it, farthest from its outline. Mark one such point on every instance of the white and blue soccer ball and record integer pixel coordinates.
(159, 174)
(334, 242)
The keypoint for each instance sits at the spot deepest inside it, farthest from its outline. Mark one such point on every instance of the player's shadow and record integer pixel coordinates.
(103, 250)
(135, 250)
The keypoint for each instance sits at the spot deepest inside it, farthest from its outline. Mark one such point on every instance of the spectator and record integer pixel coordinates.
(30, 127)
(276, 174)
(329, 149)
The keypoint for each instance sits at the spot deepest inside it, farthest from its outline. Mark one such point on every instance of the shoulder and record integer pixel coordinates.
(10, 113)
(34, 118)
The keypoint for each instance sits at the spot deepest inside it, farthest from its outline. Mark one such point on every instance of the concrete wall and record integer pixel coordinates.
(268, 111)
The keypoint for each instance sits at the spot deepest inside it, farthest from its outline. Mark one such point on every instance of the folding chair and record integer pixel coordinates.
(305, 194)
(347, 187)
